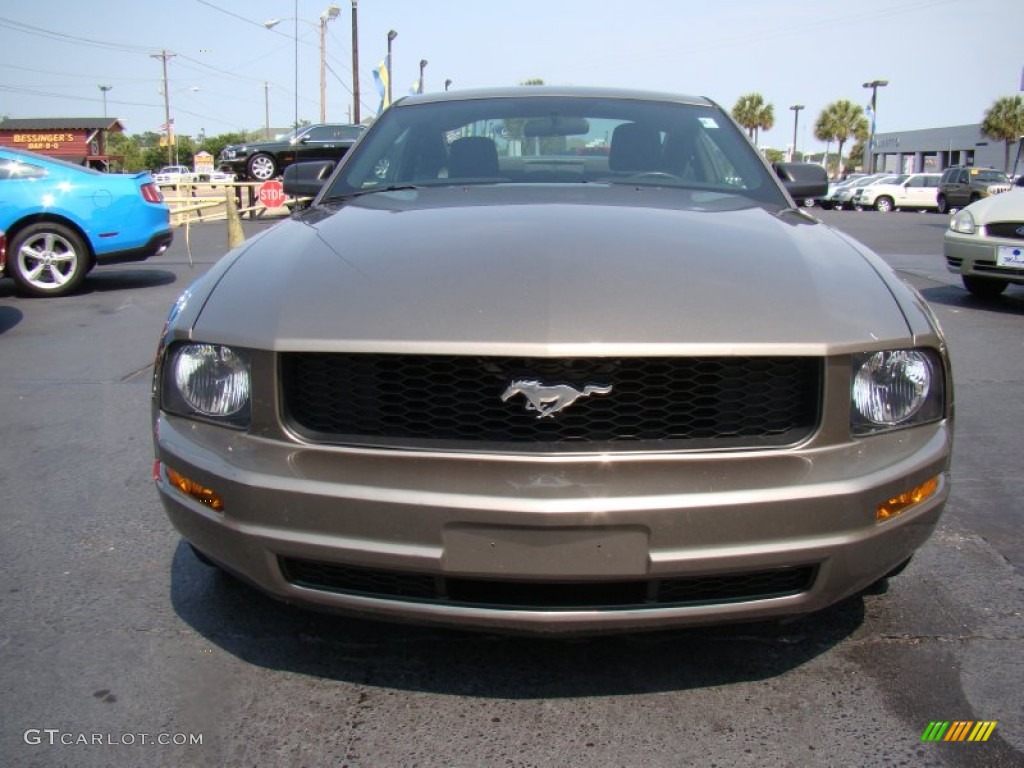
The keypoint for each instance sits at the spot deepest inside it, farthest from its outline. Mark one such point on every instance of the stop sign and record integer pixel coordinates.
(272, 194)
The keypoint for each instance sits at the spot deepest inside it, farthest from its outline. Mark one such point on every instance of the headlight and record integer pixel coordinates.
(896, 388)
(963, 223)
(207, 381)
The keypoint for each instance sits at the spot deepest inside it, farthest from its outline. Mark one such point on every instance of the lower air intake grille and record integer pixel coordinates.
(541, 596)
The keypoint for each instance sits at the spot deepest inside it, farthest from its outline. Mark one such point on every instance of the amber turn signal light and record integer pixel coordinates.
(898, 504)
(196, 490)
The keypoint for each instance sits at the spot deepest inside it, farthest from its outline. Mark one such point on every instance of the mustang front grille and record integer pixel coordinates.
(437, 401)
(548, 595)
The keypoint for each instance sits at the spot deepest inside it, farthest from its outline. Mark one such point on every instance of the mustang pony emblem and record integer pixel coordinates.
(548, 401)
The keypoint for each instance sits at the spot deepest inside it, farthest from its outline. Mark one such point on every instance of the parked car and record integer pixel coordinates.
(962, 185)
(221, 177)
(843, 197)
(985, 243)
(262, 160)
(175, 174)
(486, 381)
(828, 200)
(58, 221)
(914, 190)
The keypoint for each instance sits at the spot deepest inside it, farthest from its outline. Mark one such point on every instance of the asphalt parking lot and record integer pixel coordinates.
(115, 638)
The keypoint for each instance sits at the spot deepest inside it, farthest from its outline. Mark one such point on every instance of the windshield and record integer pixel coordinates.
(990, 176)
(556, 139)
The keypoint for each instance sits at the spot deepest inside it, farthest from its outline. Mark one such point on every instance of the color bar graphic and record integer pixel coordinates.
(958, 730)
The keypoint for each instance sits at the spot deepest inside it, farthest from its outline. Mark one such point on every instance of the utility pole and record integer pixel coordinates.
(164, 56)
(355, 64)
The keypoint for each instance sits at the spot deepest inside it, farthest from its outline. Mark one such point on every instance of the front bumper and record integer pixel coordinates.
(975, 255)
(513, 542)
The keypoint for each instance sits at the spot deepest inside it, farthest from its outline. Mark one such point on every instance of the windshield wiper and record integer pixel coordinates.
(362, 192)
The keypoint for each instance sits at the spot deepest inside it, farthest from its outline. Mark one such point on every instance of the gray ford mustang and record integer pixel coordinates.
(554, 360)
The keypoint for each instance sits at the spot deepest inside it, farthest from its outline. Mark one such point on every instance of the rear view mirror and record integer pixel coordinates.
(556, 125)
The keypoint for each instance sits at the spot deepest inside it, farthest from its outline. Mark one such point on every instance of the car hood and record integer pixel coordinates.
(499, 270)
(1005, 206)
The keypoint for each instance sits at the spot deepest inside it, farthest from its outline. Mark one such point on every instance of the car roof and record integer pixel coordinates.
(528, 91)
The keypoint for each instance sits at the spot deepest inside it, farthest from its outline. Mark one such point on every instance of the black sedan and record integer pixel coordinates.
(264, 160)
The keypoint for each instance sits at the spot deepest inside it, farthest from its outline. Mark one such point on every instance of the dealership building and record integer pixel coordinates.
(935, 149)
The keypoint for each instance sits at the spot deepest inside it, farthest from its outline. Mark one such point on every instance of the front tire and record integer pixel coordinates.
(48, 259)
(984, 287)
(943, 204)
(262, 167)
(884, 204)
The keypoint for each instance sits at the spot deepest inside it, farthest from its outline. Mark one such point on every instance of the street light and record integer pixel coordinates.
(423, 65)
(391, 36)
(796, 117)
(874, 85)
(331, 13)
(270, 24)
(105, 88)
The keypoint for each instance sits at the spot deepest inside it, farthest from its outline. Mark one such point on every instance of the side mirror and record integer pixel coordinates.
(802, 180)
(307, 179)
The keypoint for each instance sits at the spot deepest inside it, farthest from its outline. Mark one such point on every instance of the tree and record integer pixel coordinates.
(1004, 121)
(752, 113)
(532, 81)
(839, 121)
(857, 154)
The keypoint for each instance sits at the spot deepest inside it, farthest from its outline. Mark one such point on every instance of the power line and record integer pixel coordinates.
(29, 29)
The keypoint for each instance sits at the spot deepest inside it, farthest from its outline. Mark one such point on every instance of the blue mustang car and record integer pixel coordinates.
(58, 221)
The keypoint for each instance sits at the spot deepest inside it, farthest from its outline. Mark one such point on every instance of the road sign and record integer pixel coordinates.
(272, 194)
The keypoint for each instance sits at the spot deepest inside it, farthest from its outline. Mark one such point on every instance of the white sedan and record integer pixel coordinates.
(985, 243)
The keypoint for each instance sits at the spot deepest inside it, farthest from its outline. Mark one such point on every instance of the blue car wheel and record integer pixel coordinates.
(48, 259)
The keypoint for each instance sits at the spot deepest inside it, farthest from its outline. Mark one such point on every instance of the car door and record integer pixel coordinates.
(914, 193)
(322, 142)
(959, 191)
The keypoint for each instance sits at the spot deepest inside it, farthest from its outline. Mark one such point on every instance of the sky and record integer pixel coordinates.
(946, 60)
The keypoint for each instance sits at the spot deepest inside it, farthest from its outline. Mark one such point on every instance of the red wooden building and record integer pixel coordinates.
(79, 140)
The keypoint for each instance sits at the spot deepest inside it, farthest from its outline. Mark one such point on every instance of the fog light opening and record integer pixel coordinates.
(195, 490)
(898, 504)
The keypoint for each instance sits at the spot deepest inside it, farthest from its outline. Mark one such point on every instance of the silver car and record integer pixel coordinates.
(985, 243)
(554, 360)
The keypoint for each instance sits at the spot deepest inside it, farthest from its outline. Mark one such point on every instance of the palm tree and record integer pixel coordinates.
(753, 114)
(1004, 121)
(843, 119)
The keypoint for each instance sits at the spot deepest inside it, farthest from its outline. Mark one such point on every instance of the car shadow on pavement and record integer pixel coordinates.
(1010, 302)
(110, 279)
(9, 317)
(261, 631)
